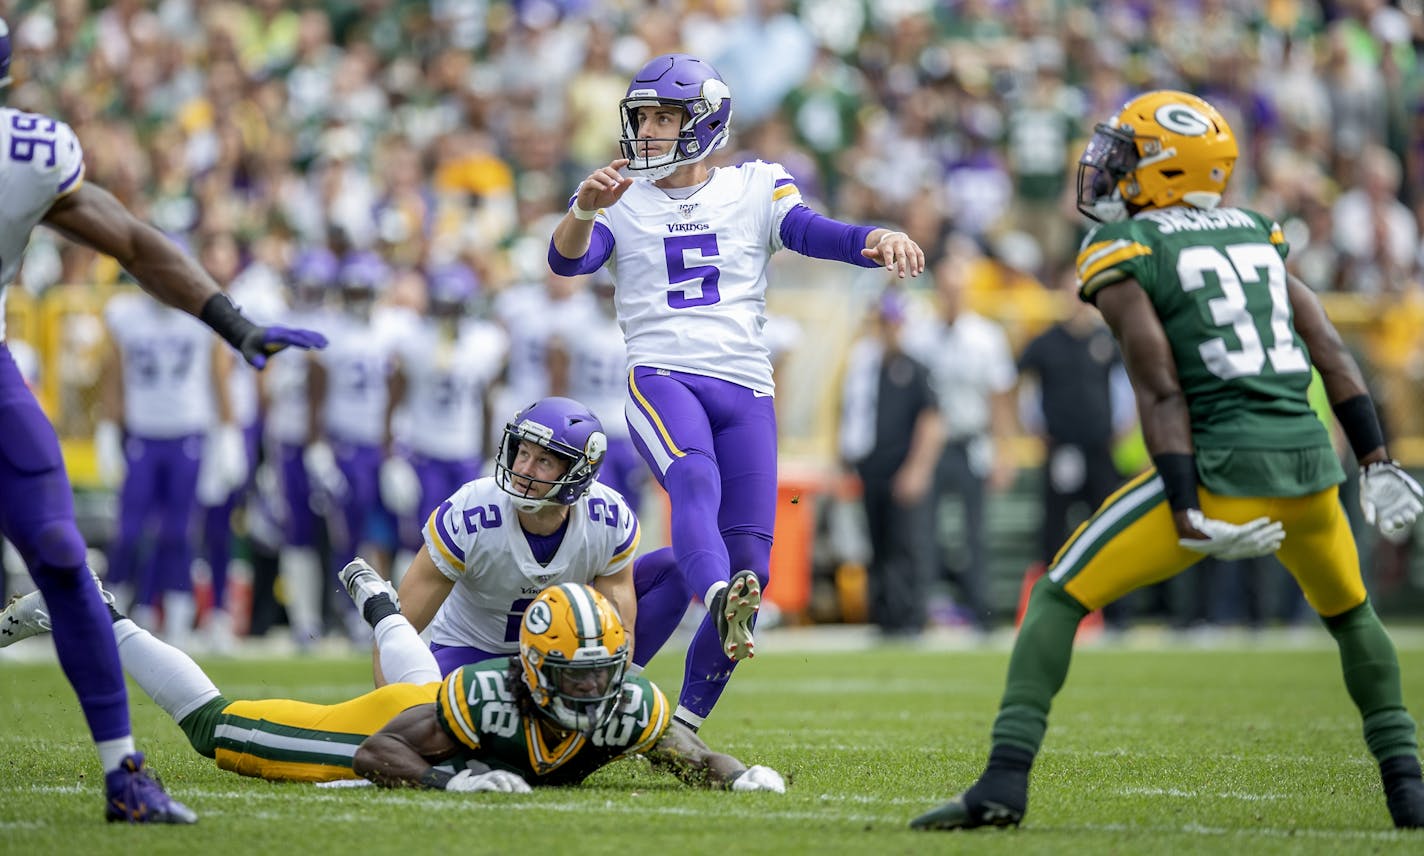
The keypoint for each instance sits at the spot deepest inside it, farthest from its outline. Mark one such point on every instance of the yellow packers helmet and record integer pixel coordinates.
(573, 651)
(1163, 148)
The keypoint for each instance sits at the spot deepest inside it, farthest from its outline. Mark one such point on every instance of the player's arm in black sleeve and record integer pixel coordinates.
(681, 752)
(1344, 383)
(402, 753)
(1161, 403)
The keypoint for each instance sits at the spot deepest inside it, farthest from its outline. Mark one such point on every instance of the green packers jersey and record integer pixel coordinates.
(479, 710)
(1218, 282)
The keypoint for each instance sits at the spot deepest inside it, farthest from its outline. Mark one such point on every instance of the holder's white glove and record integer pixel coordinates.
(1390, 498)
(224, 465)
(109, 453)
(322, 471)
(1260, 537)
(759, 778)
(493, 780)
(400, 486)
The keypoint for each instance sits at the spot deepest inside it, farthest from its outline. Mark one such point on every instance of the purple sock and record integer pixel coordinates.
(707, 669)
(663, 596)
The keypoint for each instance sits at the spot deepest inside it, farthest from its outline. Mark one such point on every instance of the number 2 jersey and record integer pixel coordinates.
(40, 161)
(475, 539)
(1217, 279)
(478, 709)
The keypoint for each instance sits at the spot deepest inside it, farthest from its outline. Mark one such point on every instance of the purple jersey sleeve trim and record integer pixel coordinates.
(600, 247)
(445, 534)
(632, 536)
(73, 177)
(820, 237)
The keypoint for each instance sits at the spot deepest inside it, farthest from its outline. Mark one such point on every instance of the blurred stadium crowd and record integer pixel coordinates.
(452, 132)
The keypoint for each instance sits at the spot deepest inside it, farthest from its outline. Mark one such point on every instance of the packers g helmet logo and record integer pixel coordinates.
(1181, 119)
(538, 619)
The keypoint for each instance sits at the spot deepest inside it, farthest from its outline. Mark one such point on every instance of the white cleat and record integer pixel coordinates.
(363, 583)
(734, 610)
(24, 616)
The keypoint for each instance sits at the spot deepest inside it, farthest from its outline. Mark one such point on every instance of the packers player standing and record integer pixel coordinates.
(1219, 341)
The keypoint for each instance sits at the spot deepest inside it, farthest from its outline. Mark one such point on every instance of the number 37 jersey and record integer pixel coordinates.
(475, 539)
(691, 273)
(1217, 280)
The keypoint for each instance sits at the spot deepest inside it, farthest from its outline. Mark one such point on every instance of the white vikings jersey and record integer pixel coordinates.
(445, 384)
(167, 358)
(40, 161)
(357, 362)
(285, 381)
(258, 293)
(531, 320)
(476, 540)
(598, 375)
(691, 273)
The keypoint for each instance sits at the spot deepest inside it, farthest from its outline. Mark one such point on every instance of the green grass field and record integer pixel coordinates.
(1190, 751)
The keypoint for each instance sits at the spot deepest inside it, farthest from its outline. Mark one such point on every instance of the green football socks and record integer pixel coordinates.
(1038, 666)
(1371, 669)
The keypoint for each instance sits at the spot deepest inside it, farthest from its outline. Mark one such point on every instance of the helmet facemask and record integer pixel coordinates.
(1110, 157)
(571, 424)
(573, 656)
(683, 83)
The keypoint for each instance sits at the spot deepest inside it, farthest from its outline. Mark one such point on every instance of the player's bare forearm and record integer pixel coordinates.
(572, 236)
(620, 591)
(401, 753)
(682, 753)
(93, 217)
(422, 590)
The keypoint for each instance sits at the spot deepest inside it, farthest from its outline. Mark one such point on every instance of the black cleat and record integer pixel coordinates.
(734, 609)
(1403, 791)
(958, 814)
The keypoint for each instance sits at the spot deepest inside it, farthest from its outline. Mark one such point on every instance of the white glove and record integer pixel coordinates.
(325, 475)
(109, 453)
(1260, 537)
(494, 780)
(759, 778)
(400, 486)
(224, 465)
(1390, 498)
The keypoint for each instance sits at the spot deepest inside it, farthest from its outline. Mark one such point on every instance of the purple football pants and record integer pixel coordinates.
(154, 548)
(624, 471)
(662, 600)
(37, 516)
(217, 520)
(300, 525)
(712, 446)
(439, 479)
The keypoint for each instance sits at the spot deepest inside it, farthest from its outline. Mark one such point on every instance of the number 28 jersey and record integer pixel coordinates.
(477, 708)
(1217, 279)
(691, 273)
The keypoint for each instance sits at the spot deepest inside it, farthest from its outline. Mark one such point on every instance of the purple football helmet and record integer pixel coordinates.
(564, 427)
(686, 82)
(363, 270)
(451, 287)
(313, 271)
(4, 53)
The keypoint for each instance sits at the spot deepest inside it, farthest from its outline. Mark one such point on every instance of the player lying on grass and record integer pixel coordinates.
(563, 708)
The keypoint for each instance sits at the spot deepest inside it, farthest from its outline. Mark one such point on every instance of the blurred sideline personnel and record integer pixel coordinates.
(688, 248)
(42, 168)
(541, 520)
(559, 710)
(1218, 340)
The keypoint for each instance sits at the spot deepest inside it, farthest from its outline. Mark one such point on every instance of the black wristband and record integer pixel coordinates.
(1179, 479)
(435, 779)
(226, 319)
(1361, 424)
